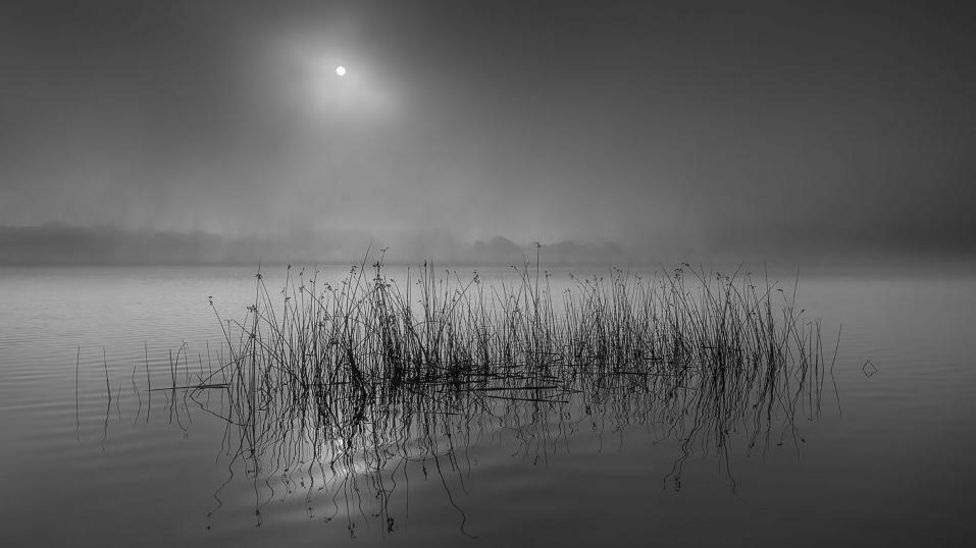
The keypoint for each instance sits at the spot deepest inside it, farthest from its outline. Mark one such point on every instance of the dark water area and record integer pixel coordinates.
(877, 451)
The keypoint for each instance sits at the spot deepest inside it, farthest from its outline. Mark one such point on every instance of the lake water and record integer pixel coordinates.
(887, 461)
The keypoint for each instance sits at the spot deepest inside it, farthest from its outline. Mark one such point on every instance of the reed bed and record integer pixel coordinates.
(338, 385)
(685, 328)
(362, 344)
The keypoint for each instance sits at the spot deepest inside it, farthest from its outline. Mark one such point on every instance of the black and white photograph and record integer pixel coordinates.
(487, 273)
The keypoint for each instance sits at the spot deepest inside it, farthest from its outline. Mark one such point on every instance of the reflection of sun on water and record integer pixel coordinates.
(342, 459)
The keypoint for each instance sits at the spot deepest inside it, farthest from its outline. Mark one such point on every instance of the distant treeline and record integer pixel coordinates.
(56, 244)
(106, 245)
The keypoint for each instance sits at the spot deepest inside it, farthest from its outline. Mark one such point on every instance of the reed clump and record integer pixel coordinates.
(739, 344)
(344, 385)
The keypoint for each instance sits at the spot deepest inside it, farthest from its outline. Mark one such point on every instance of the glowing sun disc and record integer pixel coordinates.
(340, 70)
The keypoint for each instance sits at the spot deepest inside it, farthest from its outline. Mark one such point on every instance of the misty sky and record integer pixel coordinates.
(693, 124)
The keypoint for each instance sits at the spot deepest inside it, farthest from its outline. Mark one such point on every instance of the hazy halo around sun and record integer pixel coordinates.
(340, 70)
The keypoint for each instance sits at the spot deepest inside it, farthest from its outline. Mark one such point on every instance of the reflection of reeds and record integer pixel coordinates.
(343, 385)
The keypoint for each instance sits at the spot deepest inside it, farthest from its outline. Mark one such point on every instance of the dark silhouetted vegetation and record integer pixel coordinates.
(340, 385)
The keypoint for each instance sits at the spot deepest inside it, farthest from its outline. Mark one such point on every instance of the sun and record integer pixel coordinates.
(340, 70)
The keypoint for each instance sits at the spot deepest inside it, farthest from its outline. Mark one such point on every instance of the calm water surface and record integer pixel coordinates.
(889, 460)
